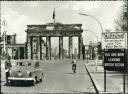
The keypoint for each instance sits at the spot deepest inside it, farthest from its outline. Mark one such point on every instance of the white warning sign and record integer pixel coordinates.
(114, 40)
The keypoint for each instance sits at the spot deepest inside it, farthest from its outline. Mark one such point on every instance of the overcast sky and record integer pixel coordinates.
(18, 14)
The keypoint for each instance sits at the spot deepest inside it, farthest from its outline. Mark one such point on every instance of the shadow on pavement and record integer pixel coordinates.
(70, 73)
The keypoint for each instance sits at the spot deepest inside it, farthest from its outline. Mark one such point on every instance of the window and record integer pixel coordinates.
(21, 64)
(37, 64)
(29, 64)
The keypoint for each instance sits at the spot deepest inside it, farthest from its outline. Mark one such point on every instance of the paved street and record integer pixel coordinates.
(58, 79)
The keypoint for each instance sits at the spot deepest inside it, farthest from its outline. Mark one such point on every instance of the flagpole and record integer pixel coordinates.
(5, 24)
(54, 20)
(54, 15)
(4, 42)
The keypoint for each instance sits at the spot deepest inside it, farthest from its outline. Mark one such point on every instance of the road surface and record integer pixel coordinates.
(58, 78)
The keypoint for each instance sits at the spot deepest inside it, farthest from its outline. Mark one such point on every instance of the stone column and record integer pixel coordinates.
(12, 52)
(29, 47)
(48, 48)
(24, 53)
(61, 47)
(70, 47)
(39, 47)
(18, 49)
(80, 44)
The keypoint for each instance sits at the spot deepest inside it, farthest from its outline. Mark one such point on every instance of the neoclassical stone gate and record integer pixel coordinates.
(35, 42)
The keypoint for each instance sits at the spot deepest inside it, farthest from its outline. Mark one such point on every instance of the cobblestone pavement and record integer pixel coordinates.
(59, 78)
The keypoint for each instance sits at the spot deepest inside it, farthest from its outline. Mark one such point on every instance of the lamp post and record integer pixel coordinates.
(4, 23)
(97, 22)
(101, 41)
(93, 18)
(96, 48)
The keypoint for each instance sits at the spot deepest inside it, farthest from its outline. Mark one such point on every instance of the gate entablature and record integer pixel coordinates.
(52, 29)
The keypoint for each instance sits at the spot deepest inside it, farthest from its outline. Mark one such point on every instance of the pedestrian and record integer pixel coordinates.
(8, 66)
(74, 66)
(37, 65)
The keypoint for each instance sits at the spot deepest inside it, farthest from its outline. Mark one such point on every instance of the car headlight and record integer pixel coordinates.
(10, 72)
(28, 72)
(19, 73)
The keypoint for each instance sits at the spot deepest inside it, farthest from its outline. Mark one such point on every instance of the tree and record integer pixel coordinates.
(121, 22)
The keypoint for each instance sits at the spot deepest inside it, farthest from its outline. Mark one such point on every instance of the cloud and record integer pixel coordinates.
(85, 6)
(79, 6)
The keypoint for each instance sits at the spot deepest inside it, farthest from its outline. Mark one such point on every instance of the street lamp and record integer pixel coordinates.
(95, 19)
(97, 44)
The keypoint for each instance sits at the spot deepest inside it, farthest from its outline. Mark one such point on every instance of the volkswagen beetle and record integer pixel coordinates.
(25, 71)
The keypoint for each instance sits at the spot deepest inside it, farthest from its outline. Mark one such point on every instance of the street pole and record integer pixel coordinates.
(96, 48)
(124, 82)
(104, 80)
(98, 23)
(4, 33)
(101, 45)
(4, 42)
(127, 48)
(95, 19)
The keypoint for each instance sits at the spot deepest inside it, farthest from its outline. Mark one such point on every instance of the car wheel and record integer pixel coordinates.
(11, 83)
(7, 82)
(33, 82)
(42, 75)
(36, 79)
(41, 80)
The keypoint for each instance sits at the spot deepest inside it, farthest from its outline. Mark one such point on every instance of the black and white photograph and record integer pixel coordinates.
(70, 47)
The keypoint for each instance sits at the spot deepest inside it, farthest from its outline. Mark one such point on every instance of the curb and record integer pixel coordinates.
(98, 89)
(97, 92)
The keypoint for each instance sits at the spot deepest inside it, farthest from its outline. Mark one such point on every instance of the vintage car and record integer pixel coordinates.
(25, 71)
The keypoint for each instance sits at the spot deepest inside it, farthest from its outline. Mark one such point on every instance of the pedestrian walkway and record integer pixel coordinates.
(114, 80)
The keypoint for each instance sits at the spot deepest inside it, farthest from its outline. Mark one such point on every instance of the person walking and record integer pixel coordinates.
(74, 66)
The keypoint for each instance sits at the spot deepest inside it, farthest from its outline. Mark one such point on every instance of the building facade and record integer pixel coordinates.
(12, 49)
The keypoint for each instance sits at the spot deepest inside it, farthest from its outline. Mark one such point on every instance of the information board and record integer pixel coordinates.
(114, 59)
(114, 40)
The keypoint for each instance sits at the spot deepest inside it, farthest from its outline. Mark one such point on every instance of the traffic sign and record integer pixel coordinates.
(114, 40)
(114, 59)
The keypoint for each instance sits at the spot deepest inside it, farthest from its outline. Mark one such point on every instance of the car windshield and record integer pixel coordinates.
(29, 64)
(24, 64)
(21, 64)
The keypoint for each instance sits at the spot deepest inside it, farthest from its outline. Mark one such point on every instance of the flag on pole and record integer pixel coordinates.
(53, 14)
(4, 23)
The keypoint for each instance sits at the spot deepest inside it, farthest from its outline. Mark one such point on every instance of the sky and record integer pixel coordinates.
(19, 14)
